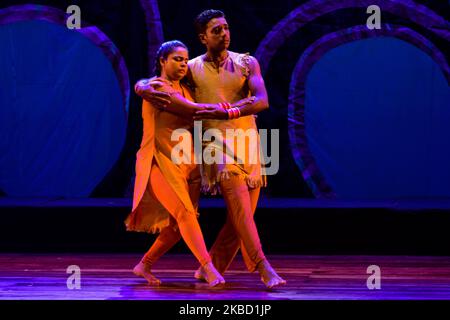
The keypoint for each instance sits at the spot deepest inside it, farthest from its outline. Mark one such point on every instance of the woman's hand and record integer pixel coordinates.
(211, 112)
(147, 90)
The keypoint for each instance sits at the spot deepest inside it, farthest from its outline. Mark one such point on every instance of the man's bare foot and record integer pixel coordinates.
(142, 270)
(200, 274)
(268, 276)
(211, 275)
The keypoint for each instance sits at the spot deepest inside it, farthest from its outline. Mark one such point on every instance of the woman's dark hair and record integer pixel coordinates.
(206, 16)
(163, 52)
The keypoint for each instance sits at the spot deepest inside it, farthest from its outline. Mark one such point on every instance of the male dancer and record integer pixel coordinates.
(218, 76)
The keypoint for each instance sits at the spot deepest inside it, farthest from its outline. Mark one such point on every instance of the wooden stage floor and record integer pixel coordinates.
(109, 277)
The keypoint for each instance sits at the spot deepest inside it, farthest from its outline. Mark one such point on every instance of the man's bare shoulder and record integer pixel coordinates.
(253, 62)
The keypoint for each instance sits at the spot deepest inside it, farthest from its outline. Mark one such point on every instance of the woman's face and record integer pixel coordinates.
(175, 66)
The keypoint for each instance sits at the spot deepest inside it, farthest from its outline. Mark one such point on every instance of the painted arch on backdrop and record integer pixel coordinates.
(154, 30)
(311, 10)
(307, 149)
(63, 112)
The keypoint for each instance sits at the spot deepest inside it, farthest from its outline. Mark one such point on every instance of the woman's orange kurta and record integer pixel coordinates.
(148, 213)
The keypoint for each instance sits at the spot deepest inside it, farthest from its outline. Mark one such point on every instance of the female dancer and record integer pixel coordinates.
(166, 193)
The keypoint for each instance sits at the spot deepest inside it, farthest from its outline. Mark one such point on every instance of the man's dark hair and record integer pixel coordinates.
(164, 51)
(206, 16)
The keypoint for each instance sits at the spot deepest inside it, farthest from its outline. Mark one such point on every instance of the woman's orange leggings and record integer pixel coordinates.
(188, 226)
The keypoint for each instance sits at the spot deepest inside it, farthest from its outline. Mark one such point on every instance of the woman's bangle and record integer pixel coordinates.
(225, 105)
(233, 113)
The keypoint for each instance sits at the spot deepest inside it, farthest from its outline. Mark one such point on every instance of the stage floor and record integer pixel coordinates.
(109, 277)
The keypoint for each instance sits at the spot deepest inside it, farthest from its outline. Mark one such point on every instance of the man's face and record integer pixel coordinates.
(217, 36)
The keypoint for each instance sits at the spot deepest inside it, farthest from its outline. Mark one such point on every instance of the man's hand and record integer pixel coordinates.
(217, 112)
(147, 90)
(211, 112)
(244, 102)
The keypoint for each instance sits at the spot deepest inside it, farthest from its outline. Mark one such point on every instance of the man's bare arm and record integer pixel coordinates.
(257, 89)
(147, 91)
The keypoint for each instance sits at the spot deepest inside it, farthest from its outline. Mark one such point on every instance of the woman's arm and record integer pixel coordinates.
(156, 89)
(188, 109)
(183, 107)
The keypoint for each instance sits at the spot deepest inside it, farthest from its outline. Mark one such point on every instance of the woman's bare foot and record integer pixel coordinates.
(211, 275)
(268, 276)
(144, 271)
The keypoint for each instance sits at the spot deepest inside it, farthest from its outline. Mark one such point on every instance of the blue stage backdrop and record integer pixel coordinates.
(62, 115)
(377, 121)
